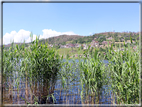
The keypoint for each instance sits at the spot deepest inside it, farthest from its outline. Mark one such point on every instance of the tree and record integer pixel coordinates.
(63, 43)
(102, 38)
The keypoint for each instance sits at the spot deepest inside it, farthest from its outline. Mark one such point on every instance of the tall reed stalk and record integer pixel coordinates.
(91, 77)
(41, 64)
(124, 74)
(35, 64)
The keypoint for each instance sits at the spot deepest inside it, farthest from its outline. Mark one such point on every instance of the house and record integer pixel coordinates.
(101, 46)
(50, 45)
(110, 38)
(67, 46)
(70, 45)
(104, 43)
(77, 45)
(85, 46)
(94, 44)
(62, 46)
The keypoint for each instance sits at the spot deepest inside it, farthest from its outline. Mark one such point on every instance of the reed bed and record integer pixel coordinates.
(121, 75)
(124, 75)
(38, 69)
(36, 65)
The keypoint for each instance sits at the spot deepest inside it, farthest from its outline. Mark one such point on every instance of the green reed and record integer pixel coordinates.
(40, 66)
(124, 73)
(89, 72)
(8, 68)
(120, 75)
(91, 77)
(37, 65)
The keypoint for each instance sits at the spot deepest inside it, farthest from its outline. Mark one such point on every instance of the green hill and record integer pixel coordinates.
(64, 39)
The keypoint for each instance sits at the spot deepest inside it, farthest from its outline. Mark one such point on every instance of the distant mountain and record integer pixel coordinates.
(54, 40)
(100, 37)
(61, 39)
(8, 45)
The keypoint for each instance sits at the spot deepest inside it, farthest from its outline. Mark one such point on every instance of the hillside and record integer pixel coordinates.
(100, 37)
(62, 39)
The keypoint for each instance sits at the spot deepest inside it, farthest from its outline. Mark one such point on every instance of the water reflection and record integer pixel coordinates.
(69, 95)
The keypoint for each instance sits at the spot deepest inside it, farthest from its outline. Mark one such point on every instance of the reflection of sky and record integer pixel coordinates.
(74, 86)
(73, 89)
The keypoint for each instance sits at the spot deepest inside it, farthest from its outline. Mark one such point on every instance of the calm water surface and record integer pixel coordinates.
(70, 95)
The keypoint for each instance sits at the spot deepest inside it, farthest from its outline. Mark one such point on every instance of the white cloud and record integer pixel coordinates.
(29, 38)
(47, 33)
(16, 36)
(22, 35)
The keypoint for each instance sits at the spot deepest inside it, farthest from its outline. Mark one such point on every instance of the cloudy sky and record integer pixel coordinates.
(54, 19)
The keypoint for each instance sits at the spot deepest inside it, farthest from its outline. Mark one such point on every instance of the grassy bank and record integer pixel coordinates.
(69, 51)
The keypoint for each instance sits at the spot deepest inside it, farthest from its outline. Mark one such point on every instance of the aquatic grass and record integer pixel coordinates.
(68, 75)
(91, 77)
(124, 73)
(90, 73)
(8, 65)
(37, 65)
(42, 67)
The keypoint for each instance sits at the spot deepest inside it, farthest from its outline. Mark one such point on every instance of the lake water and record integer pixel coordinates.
(70, 95)
(74, 93)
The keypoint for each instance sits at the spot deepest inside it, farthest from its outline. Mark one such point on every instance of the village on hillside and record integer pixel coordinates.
(95, 44)
(99, 40)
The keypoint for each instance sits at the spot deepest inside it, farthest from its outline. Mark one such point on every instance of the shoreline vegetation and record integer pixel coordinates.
(40, 66)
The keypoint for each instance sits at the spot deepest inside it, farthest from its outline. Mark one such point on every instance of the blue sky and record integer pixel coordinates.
(53, 19)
